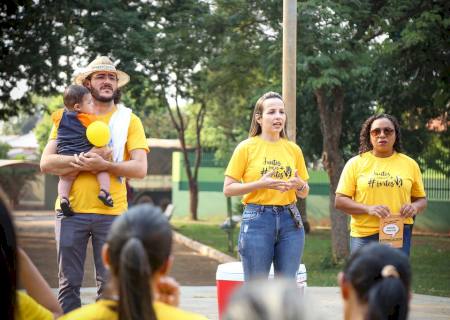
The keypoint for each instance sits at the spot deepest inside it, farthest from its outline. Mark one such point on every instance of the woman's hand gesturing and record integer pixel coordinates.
(295, 182)
(268, 182)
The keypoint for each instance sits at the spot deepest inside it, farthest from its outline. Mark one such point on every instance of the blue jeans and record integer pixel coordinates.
(269, 234)
(356, 243)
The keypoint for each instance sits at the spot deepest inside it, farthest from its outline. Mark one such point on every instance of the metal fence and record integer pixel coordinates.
(436, 176)
(437, 185)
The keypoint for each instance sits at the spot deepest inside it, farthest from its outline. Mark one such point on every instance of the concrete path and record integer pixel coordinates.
(36, 236)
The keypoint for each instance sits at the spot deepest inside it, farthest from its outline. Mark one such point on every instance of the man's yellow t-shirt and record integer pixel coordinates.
(255, 156)
(85, 189)
(107, 310)
(28, 309)
(371, 180)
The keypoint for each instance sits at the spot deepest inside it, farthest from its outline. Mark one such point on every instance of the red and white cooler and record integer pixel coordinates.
(230, 276)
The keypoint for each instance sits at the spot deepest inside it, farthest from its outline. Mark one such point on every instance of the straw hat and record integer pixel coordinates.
(101, 63)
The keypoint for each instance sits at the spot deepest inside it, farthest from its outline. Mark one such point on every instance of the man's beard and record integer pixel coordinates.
(96, 95)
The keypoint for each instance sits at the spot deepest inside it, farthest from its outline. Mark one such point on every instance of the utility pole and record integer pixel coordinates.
(290, 64)
(290, 81)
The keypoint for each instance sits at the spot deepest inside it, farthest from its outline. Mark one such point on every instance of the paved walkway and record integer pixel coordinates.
(36, 237)
(195, 273)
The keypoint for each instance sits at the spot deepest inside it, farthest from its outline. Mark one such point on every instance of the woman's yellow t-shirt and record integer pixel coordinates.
(254, 157)
(85, 189)
(29, 309)
(107, 310)
(372, 180)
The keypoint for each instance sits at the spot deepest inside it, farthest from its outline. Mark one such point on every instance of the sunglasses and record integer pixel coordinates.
(377, 131)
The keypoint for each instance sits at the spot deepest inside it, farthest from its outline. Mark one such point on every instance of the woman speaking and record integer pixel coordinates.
(270, 172)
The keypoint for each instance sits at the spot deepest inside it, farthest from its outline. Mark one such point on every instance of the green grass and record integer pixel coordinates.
(430, 261)
(208, 233)
(430, 256)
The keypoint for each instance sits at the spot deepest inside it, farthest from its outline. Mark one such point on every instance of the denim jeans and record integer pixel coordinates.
(356, 243)
(269, 234)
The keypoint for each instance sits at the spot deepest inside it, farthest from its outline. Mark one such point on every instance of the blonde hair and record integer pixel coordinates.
(255, 127)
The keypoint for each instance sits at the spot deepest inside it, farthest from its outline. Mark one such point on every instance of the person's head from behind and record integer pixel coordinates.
(8, 261)
(269, 116)
(376, 281)
(78, 98)
(266, 300)
(138, 252)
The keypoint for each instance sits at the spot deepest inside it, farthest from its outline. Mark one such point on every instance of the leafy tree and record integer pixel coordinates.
(241, 69)
(4, 149)
(38, 39)
(16, 178)
(412, 72)
(42, 129)
(20, 124)
(437, 154)
(162, 44)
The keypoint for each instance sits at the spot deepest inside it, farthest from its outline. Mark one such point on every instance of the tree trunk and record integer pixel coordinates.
(193, 185)
(331, 127)
(192, 175)
(193, 197)
(200, 117)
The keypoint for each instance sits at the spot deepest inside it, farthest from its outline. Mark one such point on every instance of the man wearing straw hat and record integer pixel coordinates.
(92, 219)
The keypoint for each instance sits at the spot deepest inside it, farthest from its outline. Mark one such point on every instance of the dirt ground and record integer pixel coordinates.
(36, 237)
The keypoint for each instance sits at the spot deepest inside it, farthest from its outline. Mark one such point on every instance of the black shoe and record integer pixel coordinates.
(65, 207)
(105, 197)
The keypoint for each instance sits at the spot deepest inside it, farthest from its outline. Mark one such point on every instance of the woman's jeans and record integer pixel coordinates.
(356, 243)
(269, 234)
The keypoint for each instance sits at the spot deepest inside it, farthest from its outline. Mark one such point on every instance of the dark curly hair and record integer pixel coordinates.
(364, 136)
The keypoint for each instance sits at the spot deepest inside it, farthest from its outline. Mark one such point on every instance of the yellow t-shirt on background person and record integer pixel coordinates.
(254, 157)
(29, 309)
(85, 189)
(107, 310)
(371, 180)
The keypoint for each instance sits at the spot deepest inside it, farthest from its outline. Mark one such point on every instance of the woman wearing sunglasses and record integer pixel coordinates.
(380, 182)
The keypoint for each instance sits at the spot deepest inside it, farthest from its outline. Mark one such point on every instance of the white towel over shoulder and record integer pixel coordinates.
(118, 126)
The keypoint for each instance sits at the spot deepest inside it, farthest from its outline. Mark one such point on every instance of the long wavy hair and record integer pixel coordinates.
(255, 127)
(139, 243)
(364, 136)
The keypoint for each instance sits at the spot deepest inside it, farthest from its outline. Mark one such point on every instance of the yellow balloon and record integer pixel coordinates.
(98, 133)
